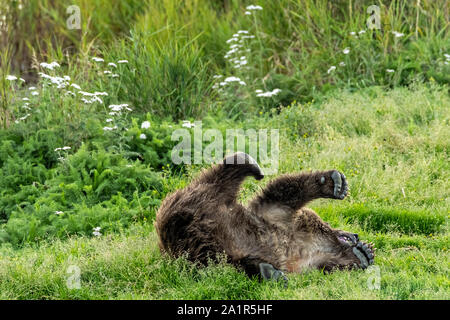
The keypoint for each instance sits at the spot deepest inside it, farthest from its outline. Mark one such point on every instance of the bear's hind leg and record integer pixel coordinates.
(359, 255)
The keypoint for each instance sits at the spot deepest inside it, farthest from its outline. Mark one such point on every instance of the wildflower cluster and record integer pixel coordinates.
(117, 112)
(357, 35)
(251, 8)
(144, 125)
(96, 231)
(237, 57)
(112, 66)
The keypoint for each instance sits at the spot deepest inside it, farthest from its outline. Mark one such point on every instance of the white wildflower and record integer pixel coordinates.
(188, 124)
(390, 70)
(49, 66)
(145, 125)
(342, 64)
(11, 77)
(107, 72)
(346, 51)
(60, 82)
(96, 93)
(119, 107)
(58, 212)
(142, 136)
(24, 117)
(111, 64)
(233, 50)
(96, 231)
(362, 32)
(84, 93)
(97, 59)
(122, 61)
(332, 68)
(109, 120)
(232, 79)
(34, 93)
(397, 34)
(269, 93)
(253, 7)
(247, 13)
(22, 79)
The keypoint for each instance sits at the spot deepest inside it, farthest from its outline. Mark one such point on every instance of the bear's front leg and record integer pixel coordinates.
(292, 192)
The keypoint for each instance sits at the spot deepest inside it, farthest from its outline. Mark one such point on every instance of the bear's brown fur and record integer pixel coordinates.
(274, 233)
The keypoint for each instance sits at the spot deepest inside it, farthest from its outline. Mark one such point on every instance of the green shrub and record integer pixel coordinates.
(88, 189)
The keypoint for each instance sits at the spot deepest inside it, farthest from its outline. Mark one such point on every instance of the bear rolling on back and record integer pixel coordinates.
(275, 233)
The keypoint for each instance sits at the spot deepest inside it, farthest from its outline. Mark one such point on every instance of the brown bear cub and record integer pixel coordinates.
(275, 233)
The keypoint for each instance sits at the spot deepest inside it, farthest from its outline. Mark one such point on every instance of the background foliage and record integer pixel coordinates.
(381, 116)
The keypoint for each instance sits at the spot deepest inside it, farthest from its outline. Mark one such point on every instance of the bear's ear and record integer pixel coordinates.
(245, 160)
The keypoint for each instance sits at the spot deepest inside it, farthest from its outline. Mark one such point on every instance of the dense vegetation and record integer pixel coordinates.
(85, 142)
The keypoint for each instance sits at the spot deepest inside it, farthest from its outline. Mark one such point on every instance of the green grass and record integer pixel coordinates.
(387, 131)
(129, 266)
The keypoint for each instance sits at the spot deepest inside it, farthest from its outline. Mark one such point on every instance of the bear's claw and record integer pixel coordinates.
(365, 252)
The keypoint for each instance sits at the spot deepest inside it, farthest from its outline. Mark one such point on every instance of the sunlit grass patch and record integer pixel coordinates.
(390, 219)
(129, 266)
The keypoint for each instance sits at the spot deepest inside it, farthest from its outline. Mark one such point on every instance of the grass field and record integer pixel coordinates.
(85, 156)
(405, 148)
